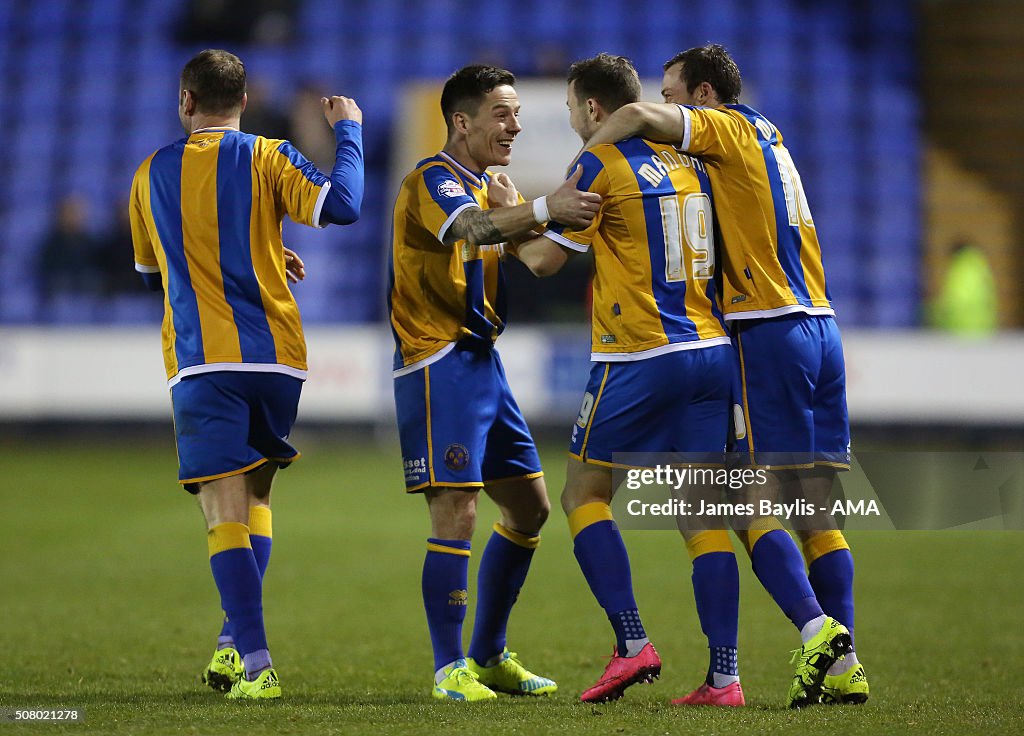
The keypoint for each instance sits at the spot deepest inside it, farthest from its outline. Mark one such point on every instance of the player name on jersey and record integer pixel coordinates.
(666, 161)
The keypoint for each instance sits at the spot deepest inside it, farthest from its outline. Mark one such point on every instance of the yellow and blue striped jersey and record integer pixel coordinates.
(440, 294)
(771, 256)
(654, 251)
(206, 214)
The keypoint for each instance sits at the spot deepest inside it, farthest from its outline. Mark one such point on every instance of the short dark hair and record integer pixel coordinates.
(611, 80)
(466, 89)
(216, 79)
(711, 64)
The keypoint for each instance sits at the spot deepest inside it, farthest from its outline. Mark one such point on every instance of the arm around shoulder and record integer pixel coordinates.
(658, 121)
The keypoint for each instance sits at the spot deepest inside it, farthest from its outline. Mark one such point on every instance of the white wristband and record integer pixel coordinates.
(540, 210)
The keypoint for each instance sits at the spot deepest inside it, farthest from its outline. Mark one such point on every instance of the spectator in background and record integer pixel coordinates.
(967, 303)
(265, 22)
(262, 117)
(67, 256)
(112, 253)
(306, 131)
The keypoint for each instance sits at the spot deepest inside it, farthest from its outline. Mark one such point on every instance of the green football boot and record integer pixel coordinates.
(264, 687)
(814, 658)
(849, 688)
(461, 683)
(509, 676)
(224, 670)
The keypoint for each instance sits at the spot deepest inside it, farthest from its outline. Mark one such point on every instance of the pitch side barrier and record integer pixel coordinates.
(908, 378)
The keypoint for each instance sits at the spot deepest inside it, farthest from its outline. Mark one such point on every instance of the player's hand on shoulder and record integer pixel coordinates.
(338, 108)
(501, 192)
(294, 268)
(571, 207)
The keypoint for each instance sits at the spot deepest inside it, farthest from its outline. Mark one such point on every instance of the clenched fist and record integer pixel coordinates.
(501, 192)
(338, 108)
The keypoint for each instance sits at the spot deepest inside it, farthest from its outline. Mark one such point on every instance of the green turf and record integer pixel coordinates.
(108, 604)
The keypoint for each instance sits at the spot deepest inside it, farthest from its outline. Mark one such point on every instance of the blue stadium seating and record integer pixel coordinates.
(837, 78)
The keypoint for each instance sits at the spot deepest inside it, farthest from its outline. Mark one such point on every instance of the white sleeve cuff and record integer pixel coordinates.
(564, 241)
(451, 218)
(142, 268)
(687, 128)
(319, 206)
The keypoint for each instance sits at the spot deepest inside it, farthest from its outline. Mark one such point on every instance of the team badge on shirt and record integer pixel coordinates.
(456, 457)
(449, 188)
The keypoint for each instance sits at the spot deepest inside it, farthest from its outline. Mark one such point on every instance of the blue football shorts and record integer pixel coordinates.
(792, 392)
(677, 402)
(459, 425)
(231, 422)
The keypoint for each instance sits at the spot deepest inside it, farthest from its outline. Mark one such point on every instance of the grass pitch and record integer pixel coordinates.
(108, 604)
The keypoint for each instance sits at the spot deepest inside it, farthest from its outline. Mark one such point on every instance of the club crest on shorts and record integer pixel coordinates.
(456, 457)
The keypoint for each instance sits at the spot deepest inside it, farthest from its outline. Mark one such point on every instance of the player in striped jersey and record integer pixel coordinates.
(460, 428)
(660, 380)
(206, 216)
(791, 367)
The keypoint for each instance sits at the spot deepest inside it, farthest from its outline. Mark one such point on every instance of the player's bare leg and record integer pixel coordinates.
(452, 512)
(602, 556)
(523, 503)
(258, 484)
(225, 500)
(585, 483)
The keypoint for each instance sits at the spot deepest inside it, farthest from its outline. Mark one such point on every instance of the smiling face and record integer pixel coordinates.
(490, 132)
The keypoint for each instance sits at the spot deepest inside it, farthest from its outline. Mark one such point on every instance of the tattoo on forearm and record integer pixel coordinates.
(475, 226)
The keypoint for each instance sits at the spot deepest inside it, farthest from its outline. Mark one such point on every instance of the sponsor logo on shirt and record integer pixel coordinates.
(450, 188)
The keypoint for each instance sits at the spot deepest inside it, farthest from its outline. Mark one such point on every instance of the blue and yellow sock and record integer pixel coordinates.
(261, 538)
(716, 592)
(445, 595)
(780, 568)
(602, 555)
(241, 592)
(503, 568)
(830, 569)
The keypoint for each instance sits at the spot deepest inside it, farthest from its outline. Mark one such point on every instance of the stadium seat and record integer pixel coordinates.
(845, 103)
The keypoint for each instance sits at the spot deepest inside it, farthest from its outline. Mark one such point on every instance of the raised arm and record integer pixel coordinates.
(345, 196)
(566, 204)
(658, 121)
